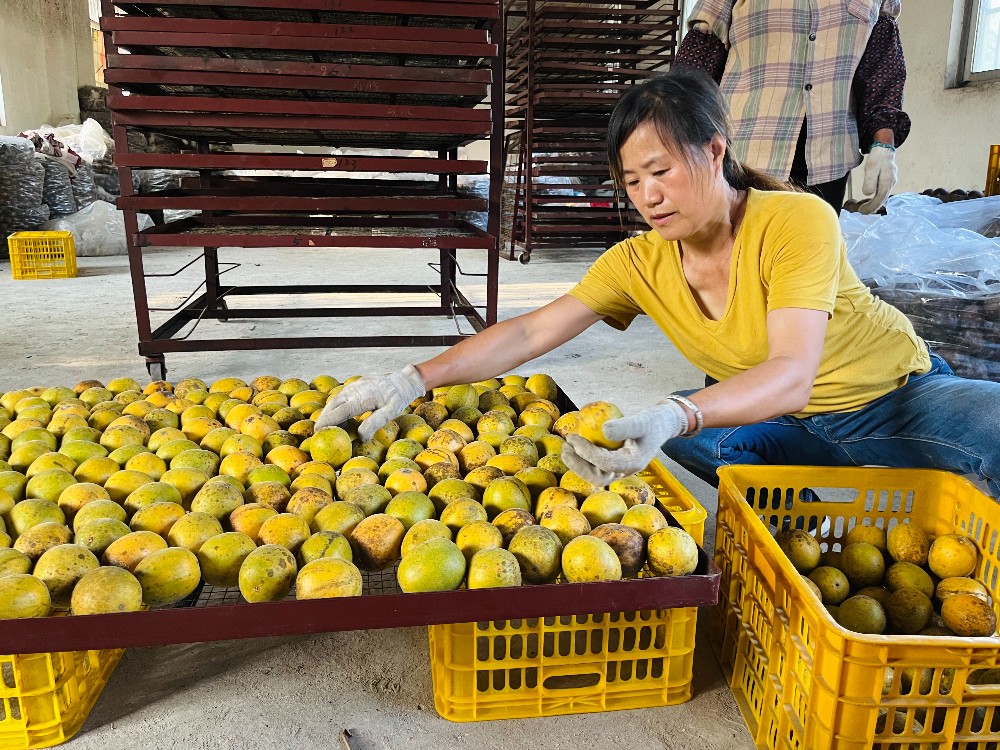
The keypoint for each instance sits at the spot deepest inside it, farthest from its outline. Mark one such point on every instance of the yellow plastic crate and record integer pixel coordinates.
(515, 669)
(799, 678)
(42, 255)
(993, 172)
(45, 698)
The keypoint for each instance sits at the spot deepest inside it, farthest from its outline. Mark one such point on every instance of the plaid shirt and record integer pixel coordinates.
(794, 59)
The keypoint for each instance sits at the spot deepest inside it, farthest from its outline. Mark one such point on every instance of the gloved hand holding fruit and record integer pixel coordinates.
(606, 449)
(386, 396)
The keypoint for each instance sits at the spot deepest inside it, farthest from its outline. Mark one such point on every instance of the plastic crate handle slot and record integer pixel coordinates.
(576, 679)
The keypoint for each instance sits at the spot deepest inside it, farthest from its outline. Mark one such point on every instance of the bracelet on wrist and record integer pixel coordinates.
(699, 420)
(879, 144)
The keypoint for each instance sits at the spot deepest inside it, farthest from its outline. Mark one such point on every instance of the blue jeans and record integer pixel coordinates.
(936, 421)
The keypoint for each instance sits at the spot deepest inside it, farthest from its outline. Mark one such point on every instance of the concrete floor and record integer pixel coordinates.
(303, 691)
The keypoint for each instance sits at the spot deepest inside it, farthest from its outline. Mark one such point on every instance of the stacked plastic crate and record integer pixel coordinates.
(360, 106)
(566, 65)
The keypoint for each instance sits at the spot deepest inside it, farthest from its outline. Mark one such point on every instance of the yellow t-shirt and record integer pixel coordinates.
(789, 252)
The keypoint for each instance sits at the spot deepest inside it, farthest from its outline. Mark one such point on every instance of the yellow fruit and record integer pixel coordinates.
(477, 536)
(646, 519)
(410, 508)
(588, 558)
(32, 512)
(672, 552)
(325, 544)
(12, 561)
(247, 519)
(127, 551)
(220, 557)
(376, 542)
(959, 585)
(167, 576)
(604, 507)
(308, 501)
(285, 530)
(908, 543)
(22, 596)
(197, 459)
(862, 614)
(49, 484)
(420, 532)
(239, 465)
(123, 483)
(217, 499)
(870, 534)
(459, 396)
(51, 460)
(148, 463)
(96, 470)
(106, 590)
(903, 575)
(338, 516)
(271, 494)
(98, 534)
(98, 509)
(591, 421)
(193, 530)
(158, 517)
(446, 491)
(968, 616)
(435, 565)
(628, 545)
(909, 611)
(61, 567)
(511, 521)
(833, 584)
(81, 450)
(505, 494)
(578, 485)
(952, 555)
(863, 565)
(287, 457)
(37, 540)
(538, 552)
(241, 443)
(405, 480)
(152, 492)
(328, 578)
(267, 574)
(568, 523)
(493, 568)
(331, 445)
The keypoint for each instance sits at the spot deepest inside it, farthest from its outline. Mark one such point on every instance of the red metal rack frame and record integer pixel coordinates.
(359, 124)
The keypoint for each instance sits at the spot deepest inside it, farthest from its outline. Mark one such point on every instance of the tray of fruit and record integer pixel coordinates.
(197, 512)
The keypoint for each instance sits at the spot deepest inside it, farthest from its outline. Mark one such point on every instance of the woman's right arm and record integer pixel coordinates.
(509, 343)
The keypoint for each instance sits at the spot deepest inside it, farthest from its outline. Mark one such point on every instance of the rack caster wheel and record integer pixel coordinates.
(223, 306)
(157, 369)
(524, 258)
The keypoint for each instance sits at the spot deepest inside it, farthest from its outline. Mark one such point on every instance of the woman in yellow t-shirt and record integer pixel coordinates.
(752, 285)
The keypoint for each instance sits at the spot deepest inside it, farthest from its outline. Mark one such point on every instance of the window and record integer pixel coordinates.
(982, 40)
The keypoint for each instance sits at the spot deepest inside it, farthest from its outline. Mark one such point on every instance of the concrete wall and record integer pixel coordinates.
(45, 53)
(952, 127)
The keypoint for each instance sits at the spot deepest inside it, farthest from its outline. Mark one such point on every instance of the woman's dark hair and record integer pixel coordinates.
(685, 106)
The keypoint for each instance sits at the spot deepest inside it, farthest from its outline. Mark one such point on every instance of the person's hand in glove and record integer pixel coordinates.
(643, 434)
(880, 176)
(385, 395)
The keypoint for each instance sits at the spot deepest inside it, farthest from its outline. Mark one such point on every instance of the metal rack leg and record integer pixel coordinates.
(157, 367)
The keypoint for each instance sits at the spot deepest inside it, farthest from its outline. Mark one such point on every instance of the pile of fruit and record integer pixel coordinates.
(900, 582)
(114, 497)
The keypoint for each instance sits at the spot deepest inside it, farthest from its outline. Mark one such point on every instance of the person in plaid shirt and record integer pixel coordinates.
(810, 85)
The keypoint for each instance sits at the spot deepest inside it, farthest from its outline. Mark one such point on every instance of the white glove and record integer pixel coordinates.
(387, 394)
(643, 434)
(880, 176)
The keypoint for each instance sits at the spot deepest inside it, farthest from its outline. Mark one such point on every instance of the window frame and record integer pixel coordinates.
(970, 27)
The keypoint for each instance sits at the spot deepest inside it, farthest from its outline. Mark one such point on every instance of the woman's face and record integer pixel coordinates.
(676, 198)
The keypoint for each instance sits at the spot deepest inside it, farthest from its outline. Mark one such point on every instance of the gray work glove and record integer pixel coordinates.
(385, 395)
(643, 434)
(880, 177)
